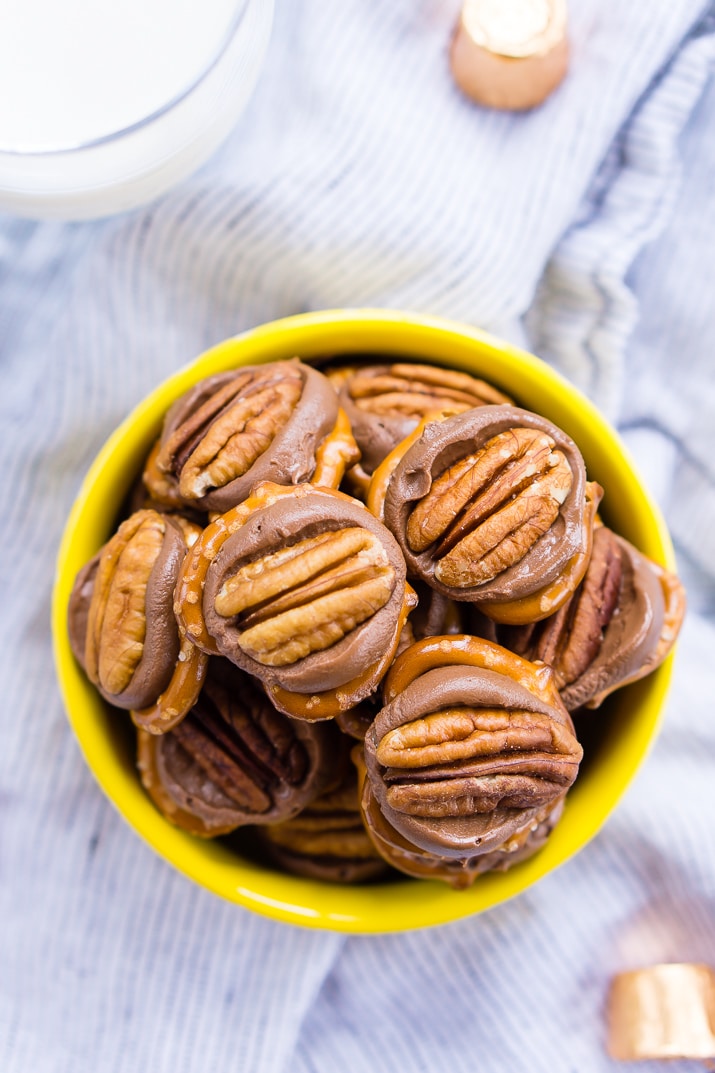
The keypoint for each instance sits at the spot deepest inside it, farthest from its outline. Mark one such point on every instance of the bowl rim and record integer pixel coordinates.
(403, 904)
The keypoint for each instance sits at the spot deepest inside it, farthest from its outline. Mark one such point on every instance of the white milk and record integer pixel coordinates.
(72, 71)
(85, 75)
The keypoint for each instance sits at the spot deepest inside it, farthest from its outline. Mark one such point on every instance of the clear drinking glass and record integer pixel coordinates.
(103, 106)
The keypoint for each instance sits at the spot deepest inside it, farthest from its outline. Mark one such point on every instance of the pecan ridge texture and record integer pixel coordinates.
(232, 430)
(121, 619)
(235, 760)
(490, 505)
(465, 756)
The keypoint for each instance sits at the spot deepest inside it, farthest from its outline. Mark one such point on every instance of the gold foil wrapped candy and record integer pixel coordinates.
(666, 1011)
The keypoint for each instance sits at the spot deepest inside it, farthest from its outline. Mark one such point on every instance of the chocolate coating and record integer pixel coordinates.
(289, 458)
(507, 788)
(444, 443)
(161, 642)
(286, 522)
(235, 760)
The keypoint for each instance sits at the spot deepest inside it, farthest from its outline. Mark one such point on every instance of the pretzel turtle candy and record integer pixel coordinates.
(189, 598)
(233, 430)
(189, 605)
(122, 626)
(472, 747)
(235, 760)
(492, 506)
(302, 588)
(618, 626)
(458, 872)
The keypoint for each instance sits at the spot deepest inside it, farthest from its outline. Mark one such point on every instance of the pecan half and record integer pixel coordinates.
(307, 593)
(307, 596)
(487, 510)
(121, 618)
(386, 402)
(235, 760)
(415, 390)
(490, 506)
(461, 760)
(235, 429)
(465, 756)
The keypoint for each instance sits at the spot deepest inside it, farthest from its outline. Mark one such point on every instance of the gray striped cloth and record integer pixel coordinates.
(359, 176)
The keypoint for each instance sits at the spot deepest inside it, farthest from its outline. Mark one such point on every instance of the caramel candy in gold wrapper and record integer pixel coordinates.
(666, 1011)
(510, 54)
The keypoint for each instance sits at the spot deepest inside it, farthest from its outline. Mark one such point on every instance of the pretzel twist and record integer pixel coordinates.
(337, 452)
(465, 650)
(179, 697)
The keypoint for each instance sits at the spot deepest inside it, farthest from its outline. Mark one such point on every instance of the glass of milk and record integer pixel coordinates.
(105, 104)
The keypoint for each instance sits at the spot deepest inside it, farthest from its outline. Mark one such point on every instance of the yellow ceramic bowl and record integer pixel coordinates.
(627, 724)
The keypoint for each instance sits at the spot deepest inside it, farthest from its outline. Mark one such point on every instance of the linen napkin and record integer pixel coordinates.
(359, 176)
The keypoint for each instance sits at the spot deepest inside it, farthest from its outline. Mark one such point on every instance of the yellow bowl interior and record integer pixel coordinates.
(630, 720)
